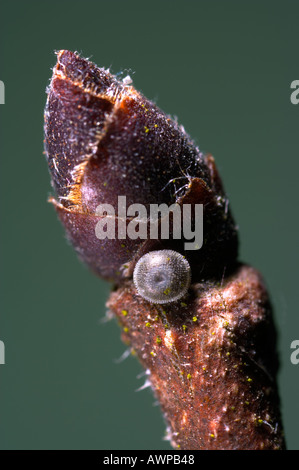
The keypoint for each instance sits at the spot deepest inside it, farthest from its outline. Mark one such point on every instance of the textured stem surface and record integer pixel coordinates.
(211, 361)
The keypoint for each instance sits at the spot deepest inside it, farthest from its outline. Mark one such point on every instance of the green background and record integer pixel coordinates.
(224, 68)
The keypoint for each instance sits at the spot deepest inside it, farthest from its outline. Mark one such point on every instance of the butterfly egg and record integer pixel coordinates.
(162, 276)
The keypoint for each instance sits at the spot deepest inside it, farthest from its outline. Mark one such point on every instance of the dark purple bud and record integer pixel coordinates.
(103, 139)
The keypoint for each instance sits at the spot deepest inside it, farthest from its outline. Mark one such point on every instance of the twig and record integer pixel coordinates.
(210, 355)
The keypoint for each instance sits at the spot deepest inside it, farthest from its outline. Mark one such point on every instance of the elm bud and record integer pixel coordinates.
(104, 139)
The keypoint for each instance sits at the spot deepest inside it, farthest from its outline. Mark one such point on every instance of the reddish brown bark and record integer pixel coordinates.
(212, 361)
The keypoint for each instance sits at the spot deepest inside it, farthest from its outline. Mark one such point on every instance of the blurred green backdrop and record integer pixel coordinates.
(224, 68)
